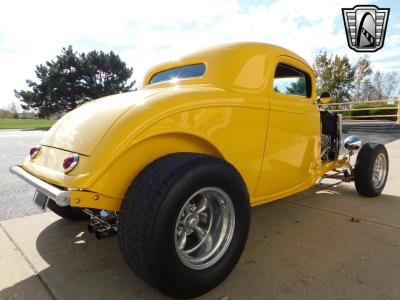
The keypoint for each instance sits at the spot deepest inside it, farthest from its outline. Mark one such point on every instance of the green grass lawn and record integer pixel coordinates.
(25, 123)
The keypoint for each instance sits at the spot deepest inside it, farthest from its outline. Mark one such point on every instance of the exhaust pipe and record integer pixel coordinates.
(93, 227)
(104, 233)
(102, 225)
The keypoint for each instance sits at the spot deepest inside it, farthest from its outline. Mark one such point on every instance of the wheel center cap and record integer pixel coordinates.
(192, 221)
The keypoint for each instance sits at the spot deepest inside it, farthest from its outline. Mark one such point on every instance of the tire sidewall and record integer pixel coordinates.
(167, 264)
(365, 168)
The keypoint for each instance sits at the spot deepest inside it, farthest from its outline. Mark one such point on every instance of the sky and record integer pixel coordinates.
(145, 33)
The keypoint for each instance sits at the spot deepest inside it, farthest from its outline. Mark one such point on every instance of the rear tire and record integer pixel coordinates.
(371, 169)
(68, 212)
(156, 210)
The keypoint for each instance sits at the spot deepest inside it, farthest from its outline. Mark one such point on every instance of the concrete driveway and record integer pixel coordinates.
(319, 244)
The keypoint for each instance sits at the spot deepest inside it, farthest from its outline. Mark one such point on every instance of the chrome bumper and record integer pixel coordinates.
(61, 197)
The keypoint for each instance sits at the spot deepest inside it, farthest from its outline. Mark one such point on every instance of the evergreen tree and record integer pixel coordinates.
(297, 87)
(73, 79)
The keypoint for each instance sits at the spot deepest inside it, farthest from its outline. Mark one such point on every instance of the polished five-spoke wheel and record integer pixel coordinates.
(379, 171)
(204, 228)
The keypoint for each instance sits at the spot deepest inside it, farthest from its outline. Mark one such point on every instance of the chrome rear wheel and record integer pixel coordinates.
(204, 228)
(184, 223)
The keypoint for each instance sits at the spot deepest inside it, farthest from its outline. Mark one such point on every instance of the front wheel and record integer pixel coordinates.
(184, 223)
(371, 169)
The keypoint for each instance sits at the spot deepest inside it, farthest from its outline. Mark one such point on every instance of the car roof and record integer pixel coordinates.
(245, 48)
(225, 61)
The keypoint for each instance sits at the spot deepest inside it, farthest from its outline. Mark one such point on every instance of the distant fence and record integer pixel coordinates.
(368, 110)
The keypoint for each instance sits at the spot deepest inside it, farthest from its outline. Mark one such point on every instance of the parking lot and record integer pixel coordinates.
(319, 244)
(15, 195)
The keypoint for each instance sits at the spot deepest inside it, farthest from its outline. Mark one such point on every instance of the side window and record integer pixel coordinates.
(292, 81)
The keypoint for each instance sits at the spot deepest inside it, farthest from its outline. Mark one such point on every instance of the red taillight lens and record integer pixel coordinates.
(33, 152)
(70, 162)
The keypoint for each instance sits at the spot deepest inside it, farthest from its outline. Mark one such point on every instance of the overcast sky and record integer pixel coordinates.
(147, 32)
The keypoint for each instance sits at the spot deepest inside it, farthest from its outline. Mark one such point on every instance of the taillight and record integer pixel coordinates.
(70, 163)
(34, 151)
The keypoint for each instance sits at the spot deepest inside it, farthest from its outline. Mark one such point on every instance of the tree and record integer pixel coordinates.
(382, 86)
(367, 91)
(377, 93)
(362, 83)
(334, 75)
(13, 109)
(297, 87)
(390, 85)
(73, 79)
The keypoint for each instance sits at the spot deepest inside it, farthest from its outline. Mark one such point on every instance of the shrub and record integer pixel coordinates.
(376, 110)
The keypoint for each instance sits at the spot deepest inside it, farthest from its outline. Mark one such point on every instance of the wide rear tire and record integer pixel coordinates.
(177, 203)
(371, 169)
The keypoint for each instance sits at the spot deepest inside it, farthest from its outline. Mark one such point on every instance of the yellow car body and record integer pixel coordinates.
(232, 112)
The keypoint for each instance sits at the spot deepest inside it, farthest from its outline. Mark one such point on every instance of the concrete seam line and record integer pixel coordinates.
(342, 214)
(42, 281)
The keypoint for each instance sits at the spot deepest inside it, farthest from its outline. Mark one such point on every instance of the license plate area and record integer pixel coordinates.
(41, 200)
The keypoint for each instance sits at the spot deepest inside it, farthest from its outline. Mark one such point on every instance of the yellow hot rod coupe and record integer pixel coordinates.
(174, 167)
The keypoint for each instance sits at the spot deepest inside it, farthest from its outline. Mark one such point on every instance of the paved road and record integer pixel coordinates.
(15, 195)
(377, 137)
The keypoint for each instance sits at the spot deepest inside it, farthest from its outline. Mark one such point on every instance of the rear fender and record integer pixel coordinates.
(117, 178)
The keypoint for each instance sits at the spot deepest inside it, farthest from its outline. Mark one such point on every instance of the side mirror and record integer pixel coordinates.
(352, 143)
(324, 98)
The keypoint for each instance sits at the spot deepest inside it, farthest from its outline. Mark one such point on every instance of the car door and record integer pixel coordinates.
(292, 144)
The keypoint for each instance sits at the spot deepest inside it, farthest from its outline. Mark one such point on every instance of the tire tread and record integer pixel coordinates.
(140, 208)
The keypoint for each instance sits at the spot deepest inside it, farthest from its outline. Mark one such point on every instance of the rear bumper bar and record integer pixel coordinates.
(61, 197)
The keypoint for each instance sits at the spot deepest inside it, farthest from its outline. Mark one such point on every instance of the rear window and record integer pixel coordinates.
(189, 71)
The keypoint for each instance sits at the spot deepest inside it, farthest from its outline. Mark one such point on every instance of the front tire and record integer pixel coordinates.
(371, 169)
(184, 223)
